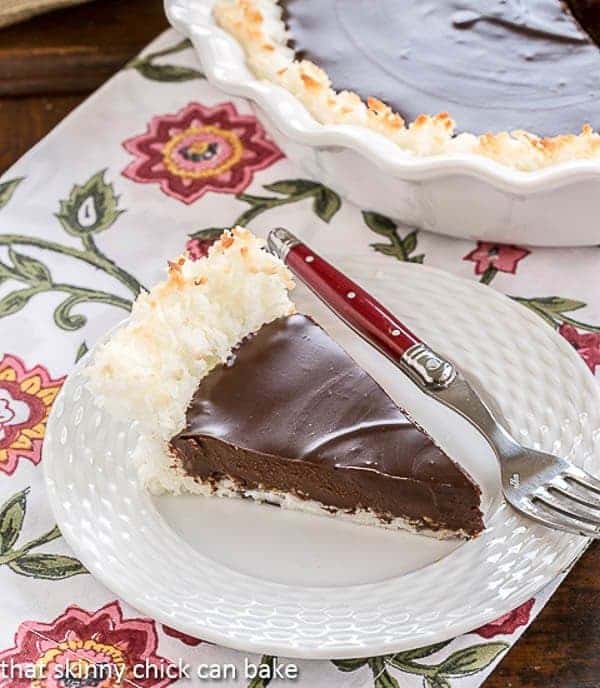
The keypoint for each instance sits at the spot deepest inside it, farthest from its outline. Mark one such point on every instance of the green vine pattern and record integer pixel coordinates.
(22, 559)
(401, 248)
(460, 664)
(499, 258)
(148, 67)
(325, 204)
(265, 672)
(488, 276)
(554, 309)
(89, 210)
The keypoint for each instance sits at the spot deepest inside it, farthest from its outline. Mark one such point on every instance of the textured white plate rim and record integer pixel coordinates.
(291, 117)
(571, 546)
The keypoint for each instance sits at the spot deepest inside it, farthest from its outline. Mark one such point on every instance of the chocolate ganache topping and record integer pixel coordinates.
(495, 65)
(291, 411)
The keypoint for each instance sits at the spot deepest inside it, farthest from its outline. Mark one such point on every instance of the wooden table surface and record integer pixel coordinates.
(48, 65)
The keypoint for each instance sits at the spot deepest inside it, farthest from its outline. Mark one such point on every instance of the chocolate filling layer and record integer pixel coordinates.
(495, 65)
(292, 412)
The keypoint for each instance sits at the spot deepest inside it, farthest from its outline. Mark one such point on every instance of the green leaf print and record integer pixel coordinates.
(5, 273)
(15, 301)
(12, 516)
(47, 566)
(326, 202)
(148, 67)
(292, 187)
(166, 72)
(350, 664)
(397, 247)
(7, 189)
(558, 304)
(29, 269)
(436, 682)
(461, 663)
(90, 208)
(265, 673)
(380, 224)
(470, 660)
(208, 234)
(410, 242)
(381, 677)
(419, 652)
(81, 351)
(554, 310)
(23, 560)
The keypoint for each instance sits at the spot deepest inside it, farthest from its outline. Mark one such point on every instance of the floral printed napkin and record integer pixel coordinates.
(155, 160)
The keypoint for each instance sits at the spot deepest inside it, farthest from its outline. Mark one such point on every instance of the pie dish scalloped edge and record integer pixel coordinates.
(505, 205)
(259, 26)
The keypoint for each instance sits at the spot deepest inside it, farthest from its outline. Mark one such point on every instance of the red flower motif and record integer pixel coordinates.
(587, 344)
(499, 256)
(184, 637)
(68, 648)
(200, 149)
(25, 400)
(198, 248)
(508, 623)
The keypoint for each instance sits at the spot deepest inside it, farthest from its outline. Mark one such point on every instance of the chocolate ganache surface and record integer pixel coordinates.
(494, 65)
(292, 412)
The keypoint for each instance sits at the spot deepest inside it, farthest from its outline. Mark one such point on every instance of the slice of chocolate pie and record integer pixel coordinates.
(292, 419)
(264, 404)
(514, 80)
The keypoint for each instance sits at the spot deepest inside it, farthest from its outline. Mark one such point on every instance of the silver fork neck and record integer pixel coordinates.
(440, 379)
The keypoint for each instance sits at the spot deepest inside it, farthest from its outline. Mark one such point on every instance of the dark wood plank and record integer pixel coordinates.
(76, 49)
(50, 63)
(561, 649)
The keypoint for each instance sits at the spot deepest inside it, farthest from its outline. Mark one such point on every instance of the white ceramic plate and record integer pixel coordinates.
(261, 579)
(549, 207)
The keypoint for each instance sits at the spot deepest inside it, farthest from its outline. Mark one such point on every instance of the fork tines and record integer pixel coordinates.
(571, 501)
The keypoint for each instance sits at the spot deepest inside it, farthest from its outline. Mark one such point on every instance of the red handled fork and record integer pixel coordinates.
(546, 488)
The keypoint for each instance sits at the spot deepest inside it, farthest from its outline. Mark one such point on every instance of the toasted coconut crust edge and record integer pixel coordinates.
(258, 26)
(149, 368)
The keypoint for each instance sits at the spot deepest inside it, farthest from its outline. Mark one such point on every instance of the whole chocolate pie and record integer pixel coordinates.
(238, 395)
(515, 80)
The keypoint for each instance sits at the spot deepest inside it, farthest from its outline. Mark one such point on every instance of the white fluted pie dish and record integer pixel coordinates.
(466, 196)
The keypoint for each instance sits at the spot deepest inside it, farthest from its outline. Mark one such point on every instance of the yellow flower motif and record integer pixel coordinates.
(26, 397)
(200, 149)
(89, 649)
(201, 152)
(79, 656)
